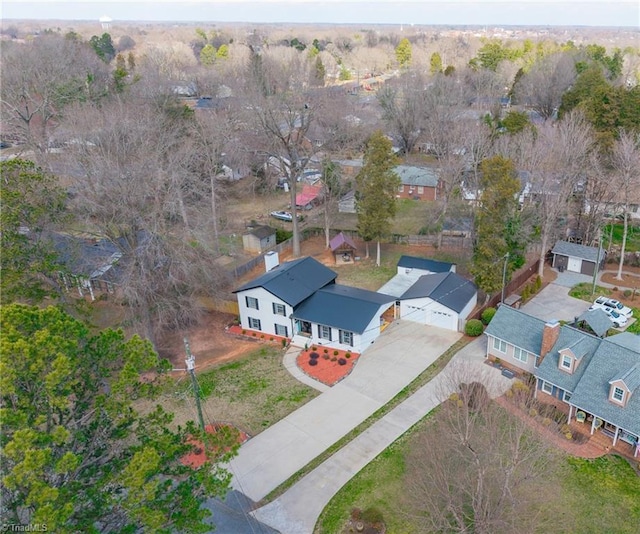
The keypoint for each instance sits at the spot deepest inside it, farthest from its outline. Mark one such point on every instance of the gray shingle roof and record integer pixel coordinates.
(294, 281)
(413, 262)
(592, 391)
(424, 176)
(262, 231)
(576, 340)
(343, 307)
(564, 248)
(631, 377)
(597, 320)
(449, 289)
(517, 328)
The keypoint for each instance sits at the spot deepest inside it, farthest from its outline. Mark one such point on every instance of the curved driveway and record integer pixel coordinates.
(399, 355)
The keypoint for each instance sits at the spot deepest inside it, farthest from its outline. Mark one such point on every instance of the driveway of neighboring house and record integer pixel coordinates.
(399, 355)
(297, 510)
(554, 302)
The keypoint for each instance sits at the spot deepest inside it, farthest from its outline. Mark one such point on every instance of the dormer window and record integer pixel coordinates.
(566, 362)
(618, 395)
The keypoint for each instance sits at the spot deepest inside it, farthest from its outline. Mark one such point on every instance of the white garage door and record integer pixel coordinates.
(575, 265)
(442, 320)
(415, 314)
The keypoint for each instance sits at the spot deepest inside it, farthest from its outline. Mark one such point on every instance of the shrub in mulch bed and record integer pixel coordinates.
(314, 355)
(313, 362)
(342, 361)
(325, 356)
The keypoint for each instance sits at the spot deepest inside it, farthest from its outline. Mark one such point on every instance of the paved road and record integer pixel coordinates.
(398, 356)
(297, 510)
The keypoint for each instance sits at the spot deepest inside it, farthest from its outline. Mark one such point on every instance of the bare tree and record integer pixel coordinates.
(541, 88)
(557, 162)
(475, 468)
(625, 162)
(40, 79)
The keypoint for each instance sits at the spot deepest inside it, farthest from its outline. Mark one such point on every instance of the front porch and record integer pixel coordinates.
(595, 433)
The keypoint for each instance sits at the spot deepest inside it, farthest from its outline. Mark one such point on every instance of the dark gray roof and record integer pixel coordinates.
(293, 281)
(581, 344)
(423, 176)
(343, 307)
(91, 259)
(413, 262)
(597, 320)
(262, 231)
(564, 248)
(517, 328)
(449, 289)
(631, 377)
(591, 393)
(626, 339)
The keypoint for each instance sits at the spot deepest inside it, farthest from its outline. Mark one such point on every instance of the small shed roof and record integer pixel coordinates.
(597, 320)
(262, 231)
(564, 248)
(340, 240)
(423, 176)
(308, 194)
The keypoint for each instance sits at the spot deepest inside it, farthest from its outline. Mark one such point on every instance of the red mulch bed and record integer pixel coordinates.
(197, 458)
(328, 369)
(255, 335)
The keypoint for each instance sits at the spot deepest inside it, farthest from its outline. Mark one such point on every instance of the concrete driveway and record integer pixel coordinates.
(554, 302)
(399, 355)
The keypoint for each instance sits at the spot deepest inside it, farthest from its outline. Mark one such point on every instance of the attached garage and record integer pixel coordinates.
(577, 258)
(443, 300)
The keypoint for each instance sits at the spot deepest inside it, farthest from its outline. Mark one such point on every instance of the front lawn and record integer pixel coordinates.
(589, 496)
(252, 393)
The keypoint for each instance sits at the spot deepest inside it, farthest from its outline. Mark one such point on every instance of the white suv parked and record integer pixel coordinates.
(612, 305)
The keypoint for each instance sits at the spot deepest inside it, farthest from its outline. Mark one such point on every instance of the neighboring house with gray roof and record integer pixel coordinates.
(417, 183)
(596, 378)
(515, 338)
(442, 299)
(577, 258)
(410, 269)
(343, 317)
(266, 303)
(599, 379)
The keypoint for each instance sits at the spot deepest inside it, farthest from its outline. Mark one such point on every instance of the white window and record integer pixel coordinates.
(346, 338)
(566, 361)
(618, 394)
(279, 309)
(254, 323)
(252, 302)
(281, 330)
(401, 189)
(324, 332)
(566, 397)
(499, 344)
(547, 388)
(520, 354)
(420, 190)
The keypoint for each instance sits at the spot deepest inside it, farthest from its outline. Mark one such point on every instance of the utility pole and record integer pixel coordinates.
(191, 368)
(504, 276)
(597, 266)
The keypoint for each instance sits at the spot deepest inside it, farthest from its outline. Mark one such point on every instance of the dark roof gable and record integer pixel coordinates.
(414, 262)
(449, 289)
(293, 281)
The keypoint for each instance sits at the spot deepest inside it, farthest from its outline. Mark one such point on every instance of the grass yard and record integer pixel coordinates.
(411, 215)
(633, 236)
(251, 393)
(582, 291)
(593, 496)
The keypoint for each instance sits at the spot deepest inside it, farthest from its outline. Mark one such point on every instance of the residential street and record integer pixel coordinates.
(398, 356)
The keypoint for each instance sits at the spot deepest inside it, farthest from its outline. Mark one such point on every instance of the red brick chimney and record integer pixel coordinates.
(550, 334)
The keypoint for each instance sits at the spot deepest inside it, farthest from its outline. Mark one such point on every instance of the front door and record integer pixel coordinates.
(303, 327)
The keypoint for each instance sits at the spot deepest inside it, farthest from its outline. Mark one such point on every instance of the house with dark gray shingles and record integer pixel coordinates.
(300, 300)
(444, 300)
(598, 379)
(417, 183)
(577, 258)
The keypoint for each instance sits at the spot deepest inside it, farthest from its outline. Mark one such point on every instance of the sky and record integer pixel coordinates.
(405, 12)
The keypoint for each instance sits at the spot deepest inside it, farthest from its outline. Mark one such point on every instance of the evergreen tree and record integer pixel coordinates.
(103, 47)
(376, 187)
(208, 55)
(435, 63)
(319, 73)
(403, 52)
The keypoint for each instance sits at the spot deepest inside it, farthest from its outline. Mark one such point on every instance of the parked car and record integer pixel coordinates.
(283, 215)
(611, 305)
(617, 319)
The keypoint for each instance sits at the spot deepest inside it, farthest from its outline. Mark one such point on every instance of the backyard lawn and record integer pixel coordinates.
(251, 393)
(615, 237)
(593, 496)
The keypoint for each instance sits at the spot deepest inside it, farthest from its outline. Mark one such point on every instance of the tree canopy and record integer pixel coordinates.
(377, 184)
(75, 454)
